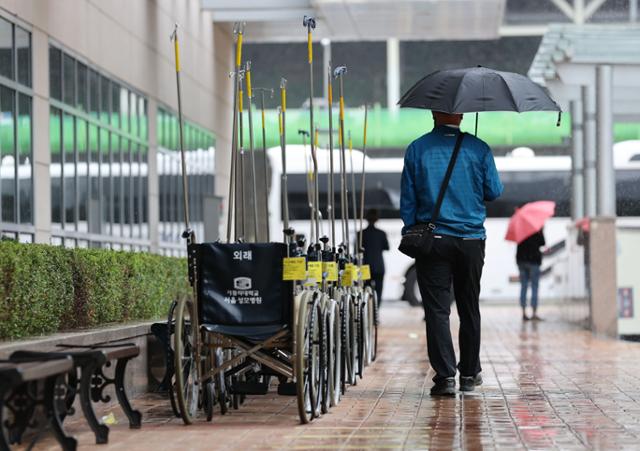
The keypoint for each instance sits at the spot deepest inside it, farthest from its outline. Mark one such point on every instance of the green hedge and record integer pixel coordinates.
(46, 289)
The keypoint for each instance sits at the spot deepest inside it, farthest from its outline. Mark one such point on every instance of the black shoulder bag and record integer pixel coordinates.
(419, 238)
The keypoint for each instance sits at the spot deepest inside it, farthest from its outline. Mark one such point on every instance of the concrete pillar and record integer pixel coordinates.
(153, 182)
(393, 73)
(589, 125)
(606, 174)
(577, 161)
(41, 138)
(604, 306)
(633, 10)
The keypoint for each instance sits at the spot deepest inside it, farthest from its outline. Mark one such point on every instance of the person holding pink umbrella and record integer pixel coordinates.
(526, 228)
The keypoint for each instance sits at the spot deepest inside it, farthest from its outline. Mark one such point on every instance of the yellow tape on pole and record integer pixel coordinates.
(310, 47)
(341, 108)
(316, 138)
(240, 95)
(177, 49)
(330, 95)
(239, 50)
(280, 122)
(283, 100)
(364, 138)
(249, 84)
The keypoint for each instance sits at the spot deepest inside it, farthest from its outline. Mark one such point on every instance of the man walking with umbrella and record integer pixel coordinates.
(458, 246)
(442, 205)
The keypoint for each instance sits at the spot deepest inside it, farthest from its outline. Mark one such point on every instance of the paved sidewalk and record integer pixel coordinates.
(546, 386)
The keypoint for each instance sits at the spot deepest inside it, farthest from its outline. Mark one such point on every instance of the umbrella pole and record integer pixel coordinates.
(283, 146)
(476, 132)
(354, 208)
(339, 72)
(362, 184)
(330, 189)
(188, 233)
(310, 23)
(266, 159)
(253, 153)
(241, 177)
(231, 217)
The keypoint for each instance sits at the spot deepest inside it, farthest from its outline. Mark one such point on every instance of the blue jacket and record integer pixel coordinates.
(474, 180)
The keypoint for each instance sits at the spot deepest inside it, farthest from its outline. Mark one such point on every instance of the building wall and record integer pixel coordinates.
(129, 40)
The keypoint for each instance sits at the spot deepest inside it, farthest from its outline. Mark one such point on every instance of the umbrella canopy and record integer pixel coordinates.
(529, 219)
(477, 89)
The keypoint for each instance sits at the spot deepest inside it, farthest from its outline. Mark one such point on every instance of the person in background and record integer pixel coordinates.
(529, 259)
(374, 242)
(458, 248)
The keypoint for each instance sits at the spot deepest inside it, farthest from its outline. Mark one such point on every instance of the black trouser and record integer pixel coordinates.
(462, 261)
(378, 279)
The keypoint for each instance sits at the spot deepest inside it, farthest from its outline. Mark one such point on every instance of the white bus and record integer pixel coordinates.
(526, 178)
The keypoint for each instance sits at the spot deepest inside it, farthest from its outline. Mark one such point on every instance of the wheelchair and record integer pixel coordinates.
(244, 326)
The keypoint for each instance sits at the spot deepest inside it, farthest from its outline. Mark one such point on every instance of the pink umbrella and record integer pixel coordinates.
(529, 219)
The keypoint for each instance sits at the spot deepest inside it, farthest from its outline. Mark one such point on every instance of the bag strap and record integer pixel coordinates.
(445, 183)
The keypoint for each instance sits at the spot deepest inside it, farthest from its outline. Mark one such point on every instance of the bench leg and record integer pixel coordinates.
(135, 417)
(100, 430)
(66, 442)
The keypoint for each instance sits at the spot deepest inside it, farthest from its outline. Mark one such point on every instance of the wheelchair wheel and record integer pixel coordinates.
(325, 359)
(335, 350)
(187, 379)
(353, 339)
(345, 339)
(305, 368)
(209, 399)
(170, 362)
(363, 335)
(373, 325)
(220, 384)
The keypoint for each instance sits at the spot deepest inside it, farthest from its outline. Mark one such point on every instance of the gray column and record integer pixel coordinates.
(393, 73)
(633, 10)
(577, 161)
(589, 120)
(41, 138)
(153, 181)
(606, 174)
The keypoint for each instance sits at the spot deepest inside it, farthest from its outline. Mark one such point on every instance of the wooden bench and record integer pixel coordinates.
(89, 362)
(21, 392)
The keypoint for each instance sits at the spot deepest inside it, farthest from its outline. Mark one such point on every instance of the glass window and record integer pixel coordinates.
(124, 109)
(6, 49)
(25, 186)
(133, 113)
(105, 172)
(69, 171)
(105, 100)
(55, 73)
(94, 93)
(23, 49)
(7, 155)
(68, 80)
(115, 105)
(82, 86)
(82, 166)
(56, 169)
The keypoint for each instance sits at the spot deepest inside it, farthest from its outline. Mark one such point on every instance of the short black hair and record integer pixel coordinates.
(372, 215)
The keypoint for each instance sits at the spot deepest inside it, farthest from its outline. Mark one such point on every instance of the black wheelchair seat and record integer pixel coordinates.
(250, 333)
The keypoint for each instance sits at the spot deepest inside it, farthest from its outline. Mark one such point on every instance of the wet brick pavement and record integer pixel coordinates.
(546, 385)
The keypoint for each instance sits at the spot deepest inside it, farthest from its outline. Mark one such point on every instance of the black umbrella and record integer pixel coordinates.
(477, 89)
